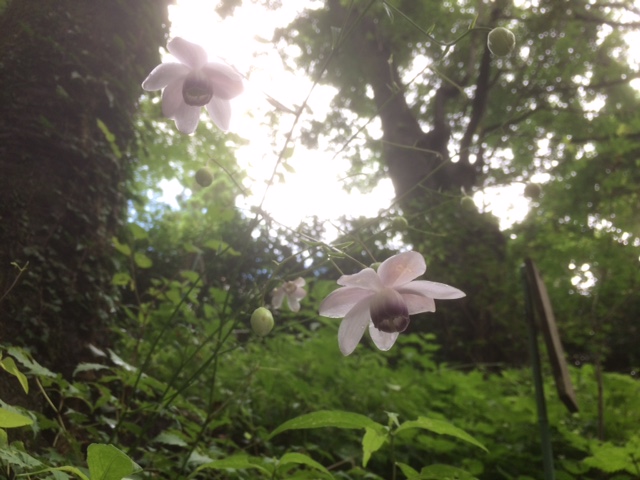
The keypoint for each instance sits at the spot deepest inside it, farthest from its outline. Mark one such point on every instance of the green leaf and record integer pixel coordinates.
(328, 418)
(121, 247)
(137, 231)
(444, 472)
(440, 427)
(110, 137)
(142, 260)
(169, 438)
(106, 462)
(88, 367)
(301, 459)
(66, 468)
(10, 366)
(240, 462)
(371, 442)
(25, 359)
(408, 471)
(220, 246)
(121, 279)
(611, 458)
(9, 419)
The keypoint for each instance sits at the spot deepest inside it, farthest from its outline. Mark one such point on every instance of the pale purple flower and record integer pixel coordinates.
(293, 291)
(192, 84)
(383, 300)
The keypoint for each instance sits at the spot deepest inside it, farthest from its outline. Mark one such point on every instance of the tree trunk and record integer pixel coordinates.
(71, 74)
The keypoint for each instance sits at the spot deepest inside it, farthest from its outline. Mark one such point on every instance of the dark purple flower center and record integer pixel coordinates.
(389, 312)
(197, 89)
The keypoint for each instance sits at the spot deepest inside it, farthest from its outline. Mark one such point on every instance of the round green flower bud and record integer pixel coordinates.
(532, 191)
(399, 223)
(467, 203)
(501, 41)
(204, 177)
(262, 321)
(375, 265)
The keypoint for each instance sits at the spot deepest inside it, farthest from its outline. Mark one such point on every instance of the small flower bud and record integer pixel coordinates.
(262, 321)
(468, 204)
(204, 177)
(501, 41)
(389, 312)
(532, 191)
(399, 223)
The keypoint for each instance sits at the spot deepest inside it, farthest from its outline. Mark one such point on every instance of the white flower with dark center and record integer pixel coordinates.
(383, 300)
(192, 84)
(293, 291)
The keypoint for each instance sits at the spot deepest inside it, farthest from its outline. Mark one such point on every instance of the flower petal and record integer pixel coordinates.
(294, 304)
(418, 303)
(436, 290)
(339, 302)
(277, 298)
(172, 98)
(220, 112)
(163, 75)
(383, 340)
(401, 268)
(353, 326)
(367, 278)
(188, 53)
(298, 294)
(187, 118)
(227, 83)
(299, 282)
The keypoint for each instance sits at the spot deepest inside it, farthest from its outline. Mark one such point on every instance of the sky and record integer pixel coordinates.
(315, 185)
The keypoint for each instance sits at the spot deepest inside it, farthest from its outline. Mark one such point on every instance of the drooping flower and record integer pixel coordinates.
(293, 291)
(383, 300)
(192, 84)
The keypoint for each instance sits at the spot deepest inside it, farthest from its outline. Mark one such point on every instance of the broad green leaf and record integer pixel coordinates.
(169, 438)
(371, 442)
(239, 462)
(10, 366)
(25, 359)
(328, 418)
(440, 427)
(106, 462)
(142, 261)
(301, 459)
(408, 471)
(123, 248)
(121, 279)
(9, 419)
(611, 458)
(137, 231)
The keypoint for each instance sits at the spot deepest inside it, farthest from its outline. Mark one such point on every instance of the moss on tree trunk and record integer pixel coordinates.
(70, 76)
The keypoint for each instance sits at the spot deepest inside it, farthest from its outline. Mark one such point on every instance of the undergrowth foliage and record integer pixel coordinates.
(223, 368)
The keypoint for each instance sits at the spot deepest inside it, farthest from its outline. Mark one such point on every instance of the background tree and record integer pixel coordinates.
(456, 120)
(70, 74)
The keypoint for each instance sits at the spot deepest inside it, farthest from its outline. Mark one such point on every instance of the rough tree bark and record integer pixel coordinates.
(70, 76)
